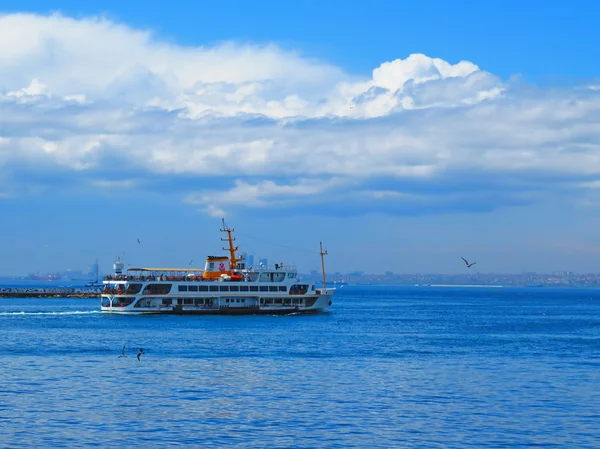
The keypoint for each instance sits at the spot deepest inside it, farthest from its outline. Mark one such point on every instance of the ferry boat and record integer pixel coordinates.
(226, 286)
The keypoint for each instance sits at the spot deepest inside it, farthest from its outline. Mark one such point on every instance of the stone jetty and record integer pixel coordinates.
(55, 292)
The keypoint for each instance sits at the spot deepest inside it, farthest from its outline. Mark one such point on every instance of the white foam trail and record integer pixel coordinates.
(75, 312)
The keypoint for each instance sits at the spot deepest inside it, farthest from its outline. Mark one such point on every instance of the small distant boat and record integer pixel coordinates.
(95, 283)
(226, 286)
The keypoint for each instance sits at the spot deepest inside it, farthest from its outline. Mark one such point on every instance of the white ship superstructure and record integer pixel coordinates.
(226, 286)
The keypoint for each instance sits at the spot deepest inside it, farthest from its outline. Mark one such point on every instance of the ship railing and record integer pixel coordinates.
(153, 278)
(117, 291)
(275, 267)
(162, 278)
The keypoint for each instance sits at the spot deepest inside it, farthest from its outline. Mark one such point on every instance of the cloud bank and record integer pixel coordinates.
(92, 104)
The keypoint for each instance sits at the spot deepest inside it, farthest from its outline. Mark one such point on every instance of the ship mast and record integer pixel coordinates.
(323, 253)
(233, 260)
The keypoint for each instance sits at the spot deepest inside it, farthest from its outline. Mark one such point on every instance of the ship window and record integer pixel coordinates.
(179, 301)
(234, 288)
(213, 288)
(188, 301)
(272, 288)
(133, 289)
(264, 288)
(167, 302)
(264, 277)
(183, 288)
(237, 300)
(313, 288)
(193, 288)
(224, 288)
(243, 299)
(244, 288)
(157, 289)
(211, 266)
(226, 299)
(298, 289)
(105, 302)
(291, 275)
(253, 288)
(203, 288)
(282, 288)
(198, 302)
(278, 277)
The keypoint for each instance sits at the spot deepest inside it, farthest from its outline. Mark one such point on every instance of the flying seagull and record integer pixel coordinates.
(140, 353)
(191, 262)
(467, 263)
(139, 241)
(122, 352)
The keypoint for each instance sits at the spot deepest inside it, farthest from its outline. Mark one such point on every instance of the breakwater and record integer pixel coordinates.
(55, 292)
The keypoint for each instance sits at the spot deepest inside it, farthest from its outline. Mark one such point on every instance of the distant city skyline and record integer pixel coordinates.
(70, 273)
(564, 279)
(403, 136)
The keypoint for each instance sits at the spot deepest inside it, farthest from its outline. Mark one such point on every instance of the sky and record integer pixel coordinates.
(403, 135)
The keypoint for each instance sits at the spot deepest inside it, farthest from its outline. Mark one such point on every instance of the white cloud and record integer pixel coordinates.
(96, 59)
(214, 211)
(34, 88)
(109, 184)
(419, 69)
(255, 126)
(265, 193)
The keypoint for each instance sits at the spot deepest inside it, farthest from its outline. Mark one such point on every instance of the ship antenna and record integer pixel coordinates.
(323, 253)
(233, 260)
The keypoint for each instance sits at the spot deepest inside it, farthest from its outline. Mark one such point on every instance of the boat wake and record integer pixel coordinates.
(74, 312)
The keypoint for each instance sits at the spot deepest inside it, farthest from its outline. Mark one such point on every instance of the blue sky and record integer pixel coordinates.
(403, 134)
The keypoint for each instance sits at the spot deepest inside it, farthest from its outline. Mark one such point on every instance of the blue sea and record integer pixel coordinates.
(414, 367)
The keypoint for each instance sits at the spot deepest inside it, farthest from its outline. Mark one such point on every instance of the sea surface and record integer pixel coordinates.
(414, 367)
